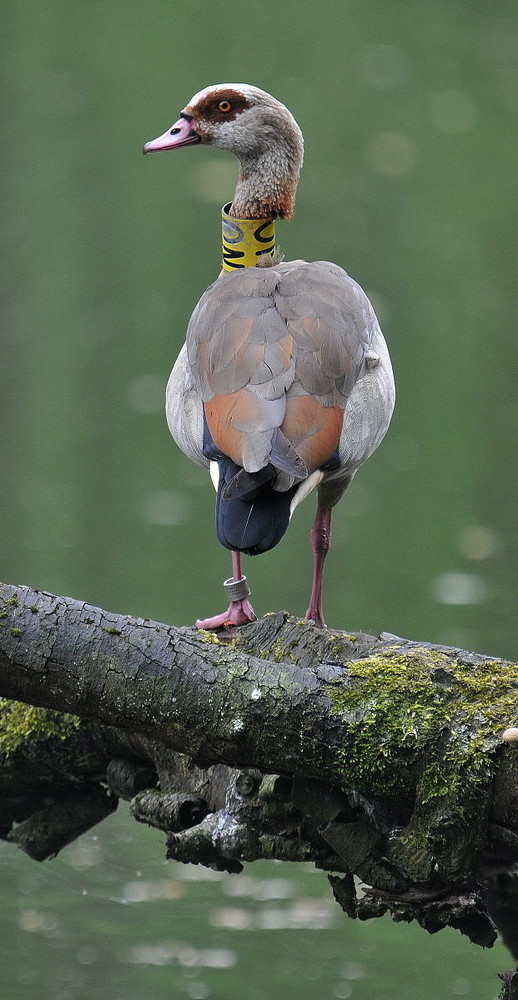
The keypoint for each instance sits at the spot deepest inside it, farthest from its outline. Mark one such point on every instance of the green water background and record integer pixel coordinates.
(410, 117)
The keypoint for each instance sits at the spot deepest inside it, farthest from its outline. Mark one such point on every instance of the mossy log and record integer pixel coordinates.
(374, 757)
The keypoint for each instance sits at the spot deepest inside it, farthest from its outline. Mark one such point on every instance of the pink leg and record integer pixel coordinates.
(239, 611)
(320, 538)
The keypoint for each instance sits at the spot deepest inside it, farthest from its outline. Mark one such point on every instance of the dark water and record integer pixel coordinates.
(410, 118)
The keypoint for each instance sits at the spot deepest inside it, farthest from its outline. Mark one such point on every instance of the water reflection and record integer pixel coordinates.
(392, 154)
(453, 111)
(171, 952)
(110, 918)
(455, 587)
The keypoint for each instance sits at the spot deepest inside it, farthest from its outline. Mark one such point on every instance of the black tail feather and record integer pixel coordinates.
(253, 518)
(246, 484)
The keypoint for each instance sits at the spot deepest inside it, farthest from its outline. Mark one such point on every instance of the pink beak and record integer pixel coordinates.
(180, 134)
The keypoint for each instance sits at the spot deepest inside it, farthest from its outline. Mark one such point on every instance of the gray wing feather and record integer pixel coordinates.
(287, 330)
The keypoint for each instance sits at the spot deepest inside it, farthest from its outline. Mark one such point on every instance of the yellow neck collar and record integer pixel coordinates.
(245, 241)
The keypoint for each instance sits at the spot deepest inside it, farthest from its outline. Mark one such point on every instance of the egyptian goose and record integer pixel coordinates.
(284, 383)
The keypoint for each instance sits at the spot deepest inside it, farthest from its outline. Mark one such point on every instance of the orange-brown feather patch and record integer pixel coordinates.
(222, 411)
(281, 206)
(312, 429)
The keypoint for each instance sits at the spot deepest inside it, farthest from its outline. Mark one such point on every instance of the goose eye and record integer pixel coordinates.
(224, 107)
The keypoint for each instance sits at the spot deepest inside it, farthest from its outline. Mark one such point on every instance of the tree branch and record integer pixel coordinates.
(380, 757)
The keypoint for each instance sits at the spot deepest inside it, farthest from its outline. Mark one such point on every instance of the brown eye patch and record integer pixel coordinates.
(218, 106)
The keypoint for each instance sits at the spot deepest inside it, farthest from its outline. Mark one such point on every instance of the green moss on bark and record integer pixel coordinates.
(421, 715)
(19, 722)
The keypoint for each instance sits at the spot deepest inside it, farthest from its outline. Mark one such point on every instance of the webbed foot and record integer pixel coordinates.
(239, 611)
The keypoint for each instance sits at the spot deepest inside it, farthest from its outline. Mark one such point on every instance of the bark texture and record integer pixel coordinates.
(378, 758)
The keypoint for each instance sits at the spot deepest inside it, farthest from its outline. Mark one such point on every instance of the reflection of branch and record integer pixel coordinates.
(503, 905)
(388, 753)
(510, 987)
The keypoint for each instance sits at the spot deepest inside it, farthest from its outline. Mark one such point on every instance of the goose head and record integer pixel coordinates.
(259, 130)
